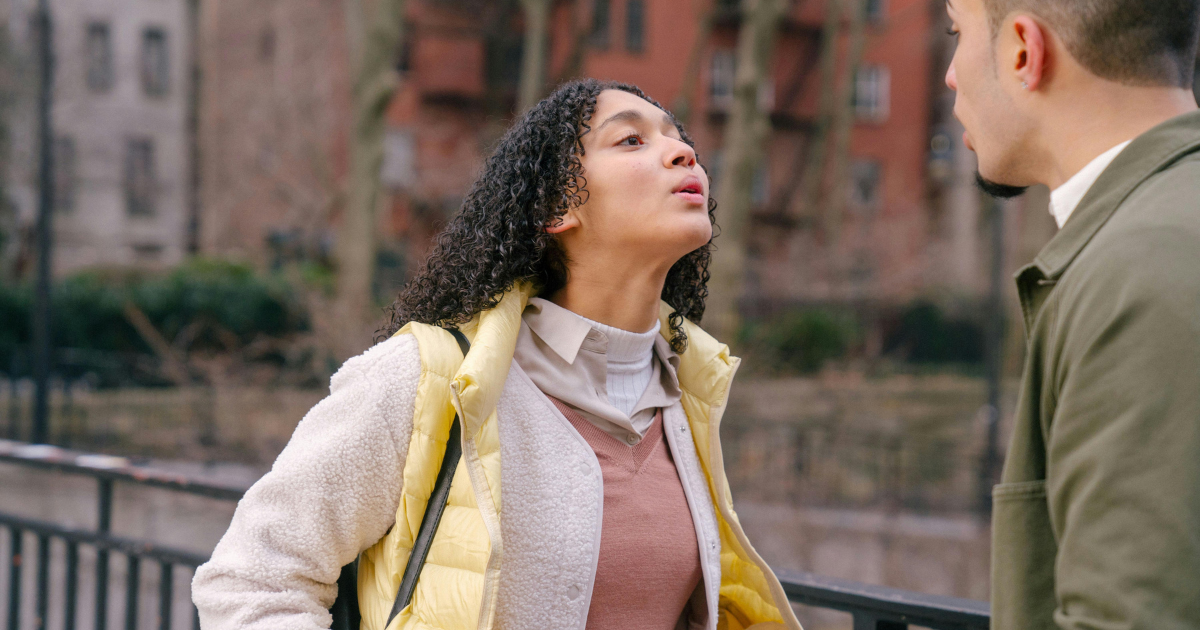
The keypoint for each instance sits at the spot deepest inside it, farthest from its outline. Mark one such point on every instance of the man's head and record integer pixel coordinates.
(1023, 66)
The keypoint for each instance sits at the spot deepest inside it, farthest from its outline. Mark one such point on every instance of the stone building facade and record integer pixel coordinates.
(121, 135)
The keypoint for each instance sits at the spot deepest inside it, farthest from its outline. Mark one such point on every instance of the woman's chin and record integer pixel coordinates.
(692, 235)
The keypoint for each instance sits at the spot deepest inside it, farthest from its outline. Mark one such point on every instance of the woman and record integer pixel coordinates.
(590, 493)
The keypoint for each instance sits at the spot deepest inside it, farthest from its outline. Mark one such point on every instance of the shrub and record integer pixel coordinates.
(924, 334)
(801, 341)
(225, 303)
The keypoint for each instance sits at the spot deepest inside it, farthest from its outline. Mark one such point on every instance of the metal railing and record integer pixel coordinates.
(872, 607)
(883, 608)
(107, 471)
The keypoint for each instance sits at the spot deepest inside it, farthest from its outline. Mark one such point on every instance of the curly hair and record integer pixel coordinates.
(498, 238)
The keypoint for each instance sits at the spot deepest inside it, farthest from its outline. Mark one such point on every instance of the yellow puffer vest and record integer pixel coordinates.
(458, 585)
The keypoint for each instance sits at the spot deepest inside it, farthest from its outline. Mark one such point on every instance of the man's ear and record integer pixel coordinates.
(1029, 59)
(563, 222)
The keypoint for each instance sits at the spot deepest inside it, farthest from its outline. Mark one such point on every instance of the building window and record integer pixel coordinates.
(760, 187)
(399, 168)
(147, 252)
(155, 62)
(720, 80)
(635, 26)
(713, 167)
(140, 185)
(876, 10)
(872, 88)
(64, 174)
(266, 44)
(600, 20)
(865, 179)
(98, 49)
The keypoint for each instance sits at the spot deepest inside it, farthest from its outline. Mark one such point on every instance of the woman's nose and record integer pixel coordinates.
(682, 155)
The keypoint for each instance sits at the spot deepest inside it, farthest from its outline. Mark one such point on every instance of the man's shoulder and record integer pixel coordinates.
(1167, 199)
(1153, 237)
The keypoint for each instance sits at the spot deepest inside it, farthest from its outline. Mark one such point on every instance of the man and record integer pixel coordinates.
(1096, 523)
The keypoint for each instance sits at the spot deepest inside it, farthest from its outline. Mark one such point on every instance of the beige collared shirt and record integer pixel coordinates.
(564, 356)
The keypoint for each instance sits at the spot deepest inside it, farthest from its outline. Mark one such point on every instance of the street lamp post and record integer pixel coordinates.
(43, 346)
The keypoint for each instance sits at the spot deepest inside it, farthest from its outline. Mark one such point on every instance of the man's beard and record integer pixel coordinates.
(998, 190)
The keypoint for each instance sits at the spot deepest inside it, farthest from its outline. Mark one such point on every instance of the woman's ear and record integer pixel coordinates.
(562, 223)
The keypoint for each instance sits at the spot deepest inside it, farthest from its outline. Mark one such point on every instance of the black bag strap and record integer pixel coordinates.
(434, 508)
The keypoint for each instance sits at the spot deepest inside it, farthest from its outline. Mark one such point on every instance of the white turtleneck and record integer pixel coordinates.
(629, 368)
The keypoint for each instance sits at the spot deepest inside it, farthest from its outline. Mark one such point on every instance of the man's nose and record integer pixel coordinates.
(951, 78)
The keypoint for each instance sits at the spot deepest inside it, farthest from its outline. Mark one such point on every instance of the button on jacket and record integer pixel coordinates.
(1096, 523)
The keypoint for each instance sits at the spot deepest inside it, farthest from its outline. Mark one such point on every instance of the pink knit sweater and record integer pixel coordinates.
(649, 558)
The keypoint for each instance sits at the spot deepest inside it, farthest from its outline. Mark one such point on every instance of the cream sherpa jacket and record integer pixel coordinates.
(334, 490)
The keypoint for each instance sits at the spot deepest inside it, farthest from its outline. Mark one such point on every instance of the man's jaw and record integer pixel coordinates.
(998, 190)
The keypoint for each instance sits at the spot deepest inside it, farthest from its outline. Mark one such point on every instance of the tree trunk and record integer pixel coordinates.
(746, 132)
(813, 178)
(581, 20)
(844, 123)
(681, 107)
(533, 57)
(375, 51)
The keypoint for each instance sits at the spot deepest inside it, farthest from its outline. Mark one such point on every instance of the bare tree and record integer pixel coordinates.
(745, 134)
(582, 15)
(533, 57)
(814, 164)
(844, 122)
(375, 44)
(682, 105)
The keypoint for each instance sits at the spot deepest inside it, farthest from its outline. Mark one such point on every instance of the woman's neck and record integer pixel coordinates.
(629, 304)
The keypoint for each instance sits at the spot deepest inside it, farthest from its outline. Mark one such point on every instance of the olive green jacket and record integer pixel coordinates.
(1096, 524)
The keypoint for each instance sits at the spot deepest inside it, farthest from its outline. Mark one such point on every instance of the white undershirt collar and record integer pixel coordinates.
(1065, 198)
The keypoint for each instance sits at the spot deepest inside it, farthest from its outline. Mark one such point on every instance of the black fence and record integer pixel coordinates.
(106, 471)
(872, 607)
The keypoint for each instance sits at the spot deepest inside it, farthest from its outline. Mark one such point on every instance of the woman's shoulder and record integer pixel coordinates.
(394, 361)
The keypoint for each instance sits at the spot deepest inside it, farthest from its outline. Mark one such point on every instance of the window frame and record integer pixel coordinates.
(155, 70)
(140, 179)
(635, 45)
(872, 93)
(722, 68)
(66, 174)
(601, 28)
(100, 71)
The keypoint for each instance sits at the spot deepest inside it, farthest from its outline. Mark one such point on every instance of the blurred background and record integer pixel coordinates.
(205, 204)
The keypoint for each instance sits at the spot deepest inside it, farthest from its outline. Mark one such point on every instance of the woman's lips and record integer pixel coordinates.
(691, 197)
(967, 142)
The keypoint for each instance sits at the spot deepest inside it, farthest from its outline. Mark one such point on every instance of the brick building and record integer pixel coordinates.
(893, 242)
(275, 115)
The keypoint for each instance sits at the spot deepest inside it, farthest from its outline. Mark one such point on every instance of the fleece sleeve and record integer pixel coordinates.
(332, 493)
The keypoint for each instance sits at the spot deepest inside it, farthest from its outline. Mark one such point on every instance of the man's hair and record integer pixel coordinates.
(1135, 42)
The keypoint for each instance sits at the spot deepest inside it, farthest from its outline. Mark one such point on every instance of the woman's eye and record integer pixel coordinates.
(636, 140)
(952, 32)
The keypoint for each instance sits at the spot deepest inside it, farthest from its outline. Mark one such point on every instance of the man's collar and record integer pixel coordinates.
(1148, 154)
(1065, 198)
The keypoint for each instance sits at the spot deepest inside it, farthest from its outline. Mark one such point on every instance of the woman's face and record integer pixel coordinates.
(647, 197)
